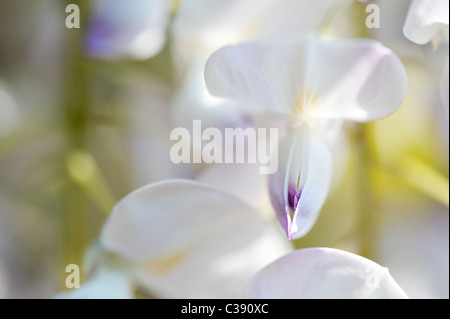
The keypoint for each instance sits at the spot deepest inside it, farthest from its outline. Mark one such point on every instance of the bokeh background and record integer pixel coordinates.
(78, 133)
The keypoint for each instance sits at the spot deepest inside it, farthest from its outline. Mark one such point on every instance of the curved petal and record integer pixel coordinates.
(324, 273)
(310, 77)
(133, 29)
(299, 188)
(262, 74)
(427, 20)
(190, 240)
(357, 79)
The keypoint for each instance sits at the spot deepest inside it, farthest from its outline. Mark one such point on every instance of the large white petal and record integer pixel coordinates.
(260, 74)
(324, 273)
(135, 28)
(219, 266)
(427, 20)
(310, 77)
(190, 240)
(299, 188)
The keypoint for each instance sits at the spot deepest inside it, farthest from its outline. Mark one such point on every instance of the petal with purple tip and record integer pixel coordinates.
(299, 189)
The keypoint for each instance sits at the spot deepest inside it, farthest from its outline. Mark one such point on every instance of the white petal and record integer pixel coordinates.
(299, 188)
(219, 266)
(324, 273)
(427, 20)
(310, 77)
(107, 283)
(264, 74)
(244, 181)
(359, 80)
(189, 240)
(133, 29)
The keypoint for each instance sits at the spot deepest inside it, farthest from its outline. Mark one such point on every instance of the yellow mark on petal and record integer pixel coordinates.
(163, 265)
(305, 106)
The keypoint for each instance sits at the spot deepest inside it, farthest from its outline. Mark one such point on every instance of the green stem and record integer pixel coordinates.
(75, 118)
(425, 179)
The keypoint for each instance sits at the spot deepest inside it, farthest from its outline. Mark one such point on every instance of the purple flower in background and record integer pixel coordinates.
(127, 29)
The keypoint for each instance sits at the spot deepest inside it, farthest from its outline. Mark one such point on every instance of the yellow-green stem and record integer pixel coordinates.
(369, 210)
(75, 118)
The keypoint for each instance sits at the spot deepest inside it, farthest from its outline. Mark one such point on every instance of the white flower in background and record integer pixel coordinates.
(324, 273)
(316, 83)
(423, 272)
(203, 26)
(127, 29)
(145, 109)
(183, 239)
(428, 21)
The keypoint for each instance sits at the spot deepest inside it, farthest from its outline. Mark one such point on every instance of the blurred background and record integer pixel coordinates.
(80, 129)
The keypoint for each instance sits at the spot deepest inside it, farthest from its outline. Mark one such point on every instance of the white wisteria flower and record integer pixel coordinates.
(202, 26)
(324, 273)
(184, 239)
(132, 29)
(428, 21)
(316, 83)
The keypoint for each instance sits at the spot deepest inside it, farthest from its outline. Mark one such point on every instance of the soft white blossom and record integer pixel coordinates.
(316, 83)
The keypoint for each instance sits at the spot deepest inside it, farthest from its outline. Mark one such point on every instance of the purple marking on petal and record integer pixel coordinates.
(293, 197)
